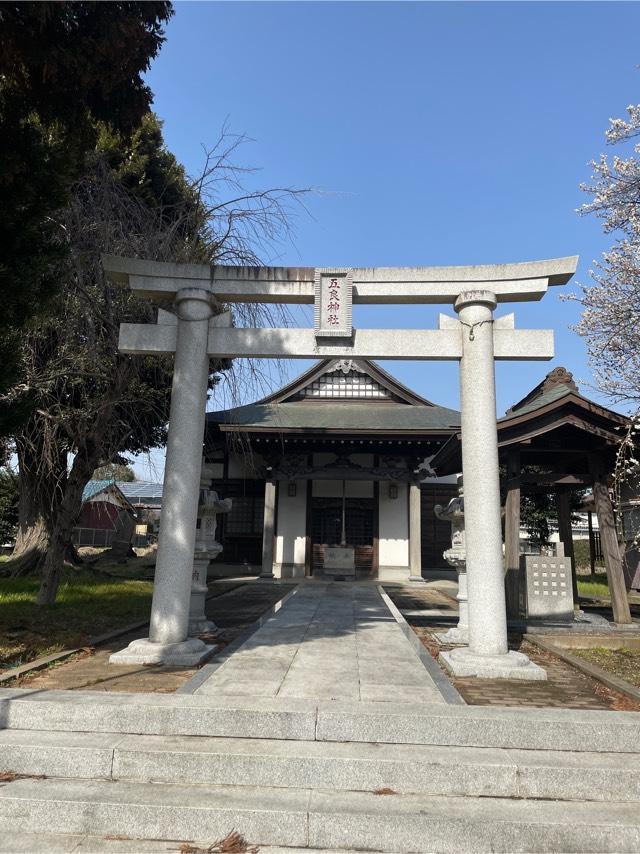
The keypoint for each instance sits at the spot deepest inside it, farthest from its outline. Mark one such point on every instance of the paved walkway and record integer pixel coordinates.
(239, 604)
(329, 641)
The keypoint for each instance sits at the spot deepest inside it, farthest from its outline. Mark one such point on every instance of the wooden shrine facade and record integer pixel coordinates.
(343, 446)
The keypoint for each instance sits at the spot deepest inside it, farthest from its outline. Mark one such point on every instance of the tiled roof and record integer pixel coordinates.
(550, 396)
(331, 415)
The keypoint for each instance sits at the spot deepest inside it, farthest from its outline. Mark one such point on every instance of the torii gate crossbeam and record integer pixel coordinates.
(475, 338)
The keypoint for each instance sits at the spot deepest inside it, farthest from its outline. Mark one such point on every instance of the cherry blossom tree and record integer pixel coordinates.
(610, 322)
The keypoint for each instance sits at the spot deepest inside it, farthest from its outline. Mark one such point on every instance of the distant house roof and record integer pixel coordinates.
(95, 487)
(133, 492)
(339, 395)
(140, 491)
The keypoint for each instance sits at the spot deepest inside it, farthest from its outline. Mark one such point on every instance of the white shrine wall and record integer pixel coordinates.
(291, 522)
(393, 533)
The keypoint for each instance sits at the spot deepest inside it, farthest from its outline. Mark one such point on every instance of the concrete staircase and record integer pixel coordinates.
(330, 776)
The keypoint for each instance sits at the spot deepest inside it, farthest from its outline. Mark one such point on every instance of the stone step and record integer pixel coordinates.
(316, 819)
(434, 770)
(299, 719)
(17, 842)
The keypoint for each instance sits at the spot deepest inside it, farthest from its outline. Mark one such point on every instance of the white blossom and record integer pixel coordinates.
(610, 322)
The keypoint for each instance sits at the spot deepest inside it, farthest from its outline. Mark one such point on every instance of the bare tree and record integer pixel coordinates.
(89, 404)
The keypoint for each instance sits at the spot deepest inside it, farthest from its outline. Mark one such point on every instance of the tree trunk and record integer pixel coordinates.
(62, 527)
(31, 545)
(36, 510)
(609, 541)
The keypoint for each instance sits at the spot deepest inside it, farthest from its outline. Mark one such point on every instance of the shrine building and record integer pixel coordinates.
(340, 455)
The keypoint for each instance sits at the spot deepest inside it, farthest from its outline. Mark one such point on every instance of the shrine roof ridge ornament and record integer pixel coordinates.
(517, 282)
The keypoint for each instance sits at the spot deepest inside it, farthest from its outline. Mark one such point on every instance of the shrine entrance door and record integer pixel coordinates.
(326, 530)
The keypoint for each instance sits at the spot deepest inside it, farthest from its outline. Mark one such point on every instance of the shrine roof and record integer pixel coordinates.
(551, 395)
(554, 404)
(341, 396)
(337, 416)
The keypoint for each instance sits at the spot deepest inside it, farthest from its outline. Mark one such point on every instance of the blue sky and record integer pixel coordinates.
(436, 133)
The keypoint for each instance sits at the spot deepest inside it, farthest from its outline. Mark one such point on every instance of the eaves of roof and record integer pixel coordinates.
(331, 416)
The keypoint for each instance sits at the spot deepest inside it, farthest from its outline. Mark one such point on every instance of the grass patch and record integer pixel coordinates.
(581, 555)
(594, 585)
(624, 663)
(100, 561)
(87, 605)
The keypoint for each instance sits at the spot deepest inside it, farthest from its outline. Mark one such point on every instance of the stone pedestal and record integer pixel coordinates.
(340, 561)
(207, 549)
(456, 557)
(487, 655)
(198, 620)
(168, 641)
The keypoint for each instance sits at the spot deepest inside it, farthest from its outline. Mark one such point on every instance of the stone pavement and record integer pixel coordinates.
(329, 641)
(427, 608)
(237, 606)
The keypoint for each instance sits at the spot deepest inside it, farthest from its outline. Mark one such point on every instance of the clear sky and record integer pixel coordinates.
(436, 133)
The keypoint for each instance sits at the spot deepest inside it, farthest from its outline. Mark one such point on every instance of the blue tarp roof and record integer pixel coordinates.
(94, 487)
(136, 491)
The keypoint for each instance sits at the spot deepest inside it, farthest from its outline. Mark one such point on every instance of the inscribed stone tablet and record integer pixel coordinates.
(333, 303)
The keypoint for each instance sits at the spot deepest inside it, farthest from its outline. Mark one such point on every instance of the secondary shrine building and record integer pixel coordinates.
(339, 456)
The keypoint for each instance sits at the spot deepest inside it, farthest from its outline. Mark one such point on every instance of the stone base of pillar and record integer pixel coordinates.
(188, 653)
(417, 578)
(201, 626)
(454, 635)
(512, 665)
(266, 576)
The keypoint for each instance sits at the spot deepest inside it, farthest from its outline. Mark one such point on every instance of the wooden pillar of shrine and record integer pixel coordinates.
(609, 541)
(592, 544)
(512, 536)
(563, 509)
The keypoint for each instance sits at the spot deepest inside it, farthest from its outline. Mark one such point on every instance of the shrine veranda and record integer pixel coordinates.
(196, 332)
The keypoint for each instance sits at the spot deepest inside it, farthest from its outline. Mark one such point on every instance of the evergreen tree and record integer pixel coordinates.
(64, 68)
(114, 471)
(8, 505)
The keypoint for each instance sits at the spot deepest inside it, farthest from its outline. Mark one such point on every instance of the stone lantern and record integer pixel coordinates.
(206, 549)
(456, 557)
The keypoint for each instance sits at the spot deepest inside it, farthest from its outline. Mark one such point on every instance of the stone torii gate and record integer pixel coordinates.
(196, 334)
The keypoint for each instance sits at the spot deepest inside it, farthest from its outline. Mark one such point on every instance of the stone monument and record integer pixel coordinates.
(545, 587)
(207, 548)
(456, 557)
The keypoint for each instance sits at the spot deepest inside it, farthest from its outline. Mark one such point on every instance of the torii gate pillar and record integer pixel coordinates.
(168, 642)
(487, 654)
